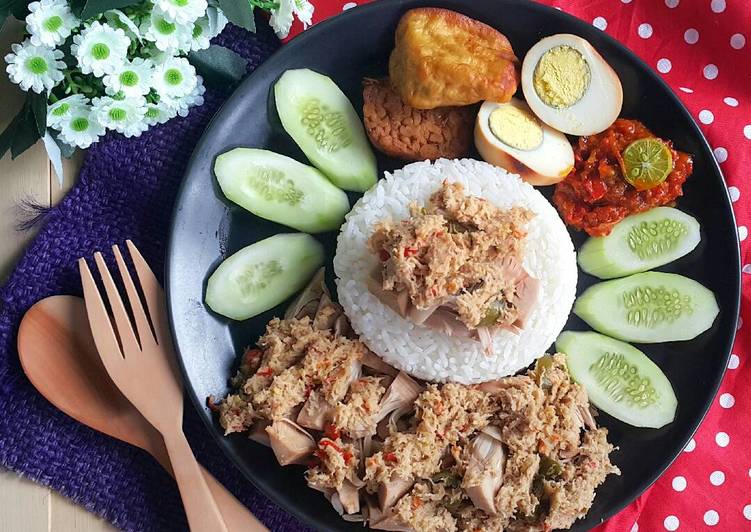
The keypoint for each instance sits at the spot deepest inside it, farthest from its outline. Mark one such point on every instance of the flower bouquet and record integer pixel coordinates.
(90, 66)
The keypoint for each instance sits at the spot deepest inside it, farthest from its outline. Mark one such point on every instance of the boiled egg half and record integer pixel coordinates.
(509, 135)
(569, 86)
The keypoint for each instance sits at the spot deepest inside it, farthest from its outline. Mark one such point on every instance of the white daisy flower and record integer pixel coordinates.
(50, 22)
(174, 78)
(81, 128)
(100, 49)
(159, 113)
(133, 78)
(34, 67)
(281, 18)
(64, 108)
(165, 34)
(182, 105)
(182, 11)
(201, 37)
(124, 116)
(303, 10)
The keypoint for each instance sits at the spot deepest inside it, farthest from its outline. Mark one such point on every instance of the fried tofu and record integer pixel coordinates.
(443, 58)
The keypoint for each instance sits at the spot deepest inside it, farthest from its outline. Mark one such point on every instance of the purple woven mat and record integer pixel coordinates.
(126, 189)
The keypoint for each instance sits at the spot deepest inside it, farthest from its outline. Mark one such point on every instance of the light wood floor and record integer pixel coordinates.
(25, 506)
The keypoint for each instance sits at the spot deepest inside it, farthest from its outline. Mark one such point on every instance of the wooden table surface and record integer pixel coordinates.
(25, 506)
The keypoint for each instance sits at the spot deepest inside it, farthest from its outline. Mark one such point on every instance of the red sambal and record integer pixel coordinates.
(595, 196)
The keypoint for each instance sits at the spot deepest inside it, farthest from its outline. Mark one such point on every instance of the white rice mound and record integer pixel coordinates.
(428, 354)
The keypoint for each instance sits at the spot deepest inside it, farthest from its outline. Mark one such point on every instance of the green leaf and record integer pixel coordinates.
(23, 131)
(86, 9)
(38, 105)
(20, 8)
(218, 65)
(66, 150)
(16, 8)
(239, 13)
(54, 154)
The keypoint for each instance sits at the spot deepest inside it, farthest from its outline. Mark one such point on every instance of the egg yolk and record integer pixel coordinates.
(515, 127)
(561, 76)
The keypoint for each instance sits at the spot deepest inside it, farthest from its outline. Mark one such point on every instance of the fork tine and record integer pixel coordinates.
(153, 293)
(99, 321)
(142, 322)
(122, 321)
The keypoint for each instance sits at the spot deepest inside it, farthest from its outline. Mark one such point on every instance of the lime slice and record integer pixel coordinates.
(647, 163)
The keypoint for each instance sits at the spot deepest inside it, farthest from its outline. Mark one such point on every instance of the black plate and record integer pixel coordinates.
(356, 44)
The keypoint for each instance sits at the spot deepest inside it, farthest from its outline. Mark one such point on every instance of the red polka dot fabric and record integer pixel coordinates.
(702, 48)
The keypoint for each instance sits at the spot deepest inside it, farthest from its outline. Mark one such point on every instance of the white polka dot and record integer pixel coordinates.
(664, 65)
(733, 363)
(727, 400)
(706, 116)
(691, 36)
(747, 509)
(732, 102)
(747, 131)
(711, 71)
(349, 5)
(671, 523)
(734, 193)
(634, 528)
(672, 3)
(742, 232)
(740, 324)
(746, 268)
(717, 478)
(721, 154)
(626, 1)
(686, 90)
(645, 30)
(737, 41)
(690, 446)
(711, 518)
(722, 439)
(600, 23)
(718, 6)
(679, 483)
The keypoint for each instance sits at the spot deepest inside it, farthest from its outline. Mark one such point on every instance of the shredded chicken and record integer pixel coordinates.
(357, 417)
(445, 415)
(519, 454)
(456, 265)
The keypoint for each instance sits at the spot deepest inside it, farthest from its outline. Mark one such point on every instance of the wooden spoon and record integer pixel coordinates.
(58, 356)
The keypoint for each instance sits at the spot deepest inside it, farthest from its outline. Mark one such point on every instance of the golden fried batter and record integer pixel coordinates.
(401, 131)
(443, 58)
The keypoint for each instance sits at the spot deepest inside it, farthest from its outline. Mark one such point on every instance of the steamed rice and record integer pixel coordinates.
(425, 353)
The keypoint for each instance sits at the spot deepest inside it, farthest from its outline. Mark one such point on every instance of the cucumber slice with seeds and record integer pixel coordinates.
(321, 120)
(648, 308)
(281, 189)
(619, 379)
(639, 243)
(262, 275)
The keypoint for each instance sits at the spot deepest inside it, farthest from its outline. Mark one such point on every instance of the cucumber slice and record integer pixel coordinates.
(619, 379)
(262, 275)
(640, 242)
(321, 120)
(280, 189)
(648, 308)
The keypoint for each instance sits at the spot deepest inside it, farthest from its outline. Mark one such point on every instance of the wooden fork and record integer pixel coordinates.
(143, 366)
